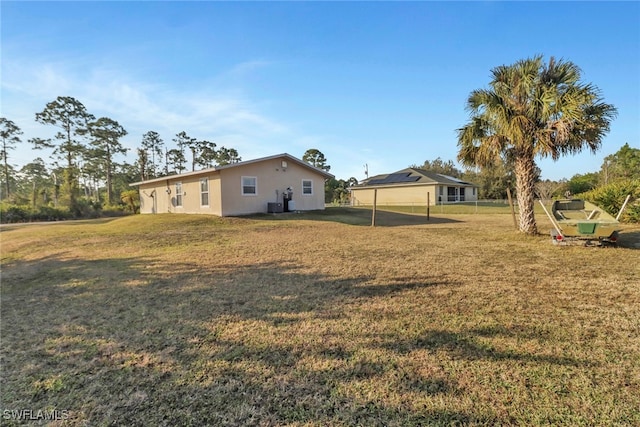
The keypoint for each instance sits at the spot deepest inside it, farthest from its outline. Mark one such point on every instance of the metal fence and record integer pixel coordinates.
(466, 207)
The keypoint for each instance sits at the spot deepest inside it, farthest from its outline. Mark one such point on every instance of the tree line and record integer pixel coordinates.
(84, 174)
(335, 190)
(531, 109)
(84, 177)
(623, 165)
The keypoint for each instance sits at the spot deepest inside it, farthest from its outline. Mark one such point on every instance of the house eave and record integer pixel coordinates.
(207, 171)
(416, 184)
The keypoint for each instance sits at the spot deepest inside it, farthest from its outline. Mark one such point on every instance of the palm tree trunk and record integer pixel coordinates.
(525, 187)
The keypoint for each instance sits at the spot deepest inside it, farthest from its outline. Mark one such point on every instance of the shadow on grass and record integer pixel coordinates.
(4, 227)
(629, 239)
(127, 342)
(467, 345)
(360, 216)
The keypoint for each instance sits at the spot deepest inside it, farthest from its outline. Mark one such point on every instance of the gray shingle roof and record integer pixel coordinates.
(412, 176)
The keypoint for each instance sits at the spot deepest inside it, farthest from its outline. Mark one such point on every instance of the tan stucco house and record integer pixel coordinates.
(269, 184)
(411, 186)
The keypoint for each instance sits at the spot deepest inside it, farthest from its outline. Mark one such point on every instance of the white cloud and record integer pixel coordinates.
(139, 106)
(33, 79)
(243, 68)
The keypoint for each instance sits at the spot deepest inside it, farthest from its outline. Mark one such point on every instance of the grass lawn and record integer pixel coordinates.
(317, 319)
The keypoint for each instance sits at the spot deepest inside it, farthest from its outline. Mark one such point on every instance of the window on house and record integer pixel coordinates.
(178, 194)
(452, 194)
(473, 191)
(249, 185)
(441, 190)
(307, 187)
(204, 192)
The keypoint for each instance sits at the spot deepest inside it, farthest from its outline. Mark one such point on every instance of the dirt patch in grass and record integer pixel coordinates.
(316, 319)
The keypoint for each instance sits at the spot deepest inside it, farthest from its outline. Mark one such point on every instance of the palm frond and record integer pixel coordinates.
(533, 109)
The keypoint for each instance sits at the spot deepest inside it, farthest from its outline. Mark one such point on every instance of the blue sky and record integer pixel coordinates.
(376, 83)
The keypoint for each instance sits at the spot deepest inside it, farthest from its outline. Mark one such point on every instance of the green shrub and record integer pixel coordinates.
(87, 209)
(632, 212)
(611, 197)
(131, 198)
(49, 213)
(13, 213)
(23, 213)
(114, 210)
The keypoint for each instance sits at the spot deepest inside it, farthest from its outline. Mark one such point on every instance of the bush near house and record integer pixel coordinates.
(131, 198)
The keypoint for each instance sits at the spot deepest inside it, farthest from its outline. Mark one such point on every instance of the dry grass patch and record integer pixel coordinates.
(318, 319)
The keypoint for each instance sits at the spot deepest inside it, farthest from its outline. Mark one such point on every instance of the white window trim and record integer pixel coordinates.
(307, 194)
(202, 192)
(181, 194)
(242, 186)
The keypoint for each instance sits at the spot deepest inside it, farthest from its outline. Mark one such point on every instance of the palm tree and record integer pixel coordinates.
(532, 109)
